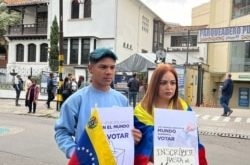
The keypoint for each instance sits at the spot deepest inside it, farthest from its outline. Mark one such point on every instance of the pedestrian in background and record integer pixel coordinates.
(32, 96)
(74, 85)
(66, 89)
(28, 83)
(133, 87)
(50, 89)
(80, 82)
(226, 94)
(162, 93)
(18, 86)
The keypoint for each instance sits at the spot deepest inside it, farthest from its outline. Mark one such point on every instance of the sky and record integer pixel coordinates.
(175, 11)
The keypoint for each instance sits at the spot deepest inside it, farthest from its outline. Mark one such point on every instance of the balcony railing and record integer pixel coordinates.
(28, 29)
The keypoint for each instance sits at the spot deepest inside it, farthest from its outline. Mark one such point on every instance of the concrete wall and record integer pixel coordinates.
(201, 15)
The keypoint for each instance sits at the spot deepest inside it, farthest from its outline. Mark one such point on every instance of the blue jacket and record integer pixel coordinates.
(76, 111)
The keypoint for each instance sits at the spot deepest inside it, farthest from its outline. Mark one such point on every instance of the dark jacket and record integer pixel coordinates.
(227, 89)
(133, 85)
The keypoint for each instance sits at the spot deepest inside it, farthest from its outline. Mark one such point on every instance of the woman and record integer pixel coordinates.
(162, 92)
(32, 96)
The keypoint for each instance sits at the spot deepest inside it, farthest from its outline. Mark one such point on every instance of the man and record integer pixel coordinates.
(18, 86)
(226, 94)
(133, 85)
(50, 89)
(76, 110)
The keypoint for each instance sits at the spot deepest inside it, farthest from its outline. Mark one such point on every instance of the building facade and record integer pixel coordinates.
(227, 56)
(125, 27)
(183, 49)
(27, 41)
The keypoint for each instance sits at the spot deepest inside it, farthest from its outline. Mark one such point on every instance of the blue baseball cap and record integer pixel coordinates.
(100, 53)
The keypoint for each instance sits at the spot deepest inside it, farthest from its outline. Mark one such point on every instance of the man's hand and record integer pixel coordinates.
(137, 135)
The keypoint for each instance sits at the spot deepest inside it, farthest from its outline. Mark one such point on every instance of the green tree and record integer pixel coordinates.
(54, 51)
(7, 18)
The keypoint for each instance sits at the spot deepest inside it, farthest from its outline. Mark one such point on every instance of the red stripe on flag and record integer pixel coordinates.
(73, 160)
(141, 160)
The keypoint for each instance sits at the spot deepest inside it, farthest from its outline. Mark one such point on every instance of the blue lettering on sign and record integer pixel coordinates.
(166, 138)
(118, 136)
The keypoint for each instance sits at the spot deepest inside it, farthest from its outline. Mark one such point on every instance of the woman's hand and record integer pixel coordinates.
(137, 135)
(150, 163)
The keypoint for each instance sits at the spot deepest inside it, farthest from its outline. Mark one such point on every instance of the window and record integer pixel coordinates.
(75, 9)
(181, 41)
(65, 50)
(19, 53)
(240, 8)
(44, 52)
(74, 46)
(31, 53)
(240, 57)
(85, 50)
(87, 9)
(158, 35)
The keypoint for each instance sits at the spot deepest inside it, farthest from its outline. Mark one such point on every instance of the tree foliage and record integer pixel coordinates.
(54, 50)
(7, 18)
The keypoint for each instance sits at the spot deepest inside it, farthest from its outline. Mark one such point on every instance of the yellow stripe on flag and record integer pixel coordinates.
(99, 140)
(143, 116)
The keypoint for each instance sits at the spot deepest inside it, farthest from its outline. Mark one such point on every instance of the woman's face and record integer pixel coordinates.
(167, 86)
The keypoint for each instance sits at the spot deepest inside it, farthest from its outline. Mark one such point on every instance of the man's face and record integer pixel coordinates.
(102, 73)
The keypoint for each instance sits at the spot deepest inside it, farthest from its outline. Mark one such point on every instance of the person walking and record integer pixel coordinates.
(76, 110)
(32, 96)
(162, 93)
(133, 85)
(18, 86)
(50, 89)
(226, 94)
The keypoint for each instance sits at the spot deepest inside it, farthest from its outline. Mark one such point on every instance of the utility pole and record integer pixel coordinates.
(60, 56)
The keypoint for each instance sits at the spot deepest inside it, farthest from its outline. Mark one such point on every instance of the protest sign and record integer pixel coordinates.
(118, 124)
(175, 137)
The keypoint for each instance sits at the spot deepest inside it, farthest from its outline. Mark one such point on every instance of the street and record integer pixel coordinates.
(226, 151)
(27, 139)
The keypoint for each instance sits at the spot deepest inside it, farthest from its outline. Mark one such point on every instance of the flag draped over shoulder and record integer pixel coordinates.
(93, 147)
(145, 123)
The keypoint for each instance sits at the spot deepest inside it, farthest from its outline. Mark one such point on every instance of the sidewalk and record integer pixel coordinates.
(210, 121)
(11, 94)
(7, 104)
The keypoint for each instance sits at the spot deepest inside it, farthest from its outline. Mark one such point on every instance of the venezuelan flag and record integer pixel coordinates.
(93, 146)
(145, 123)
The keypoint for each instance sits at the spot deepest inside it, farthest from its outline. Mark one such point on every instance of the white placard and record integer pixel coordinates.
(118, 124)
(175, 137)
